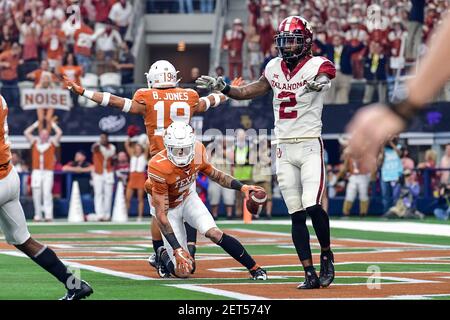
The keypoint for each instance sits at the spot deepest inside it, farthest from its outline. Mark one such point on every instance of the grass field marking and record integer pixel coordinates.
(219, 292)
(406, 244)
(441, 259)
(110, 272)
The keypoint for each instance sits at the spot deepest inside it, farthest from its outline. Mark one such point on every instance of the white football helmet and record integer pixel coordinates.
(161, 75)
(179, 140)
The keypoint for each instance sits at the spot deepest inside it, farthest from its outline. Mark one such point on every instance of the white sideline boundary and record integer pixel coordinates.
(219, 292)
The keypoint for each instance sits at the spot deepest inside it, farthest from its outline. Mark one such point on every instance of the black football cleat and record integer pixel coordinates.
(160, 266)
(326, 268)
(152, 261)
(84, 291)
(311, 281)
(258, 274)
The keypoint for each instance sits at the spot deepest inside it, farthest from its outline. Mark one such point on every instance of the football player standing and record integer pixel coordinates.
(299, 82)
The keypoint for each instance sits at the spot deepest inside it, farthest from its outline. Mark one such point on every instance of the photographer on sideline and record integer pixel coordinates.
(442, 212)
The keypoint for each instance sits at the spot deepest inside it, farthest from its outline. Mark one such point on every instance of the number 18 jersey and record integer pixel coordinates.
(164, 106)
(297, 116)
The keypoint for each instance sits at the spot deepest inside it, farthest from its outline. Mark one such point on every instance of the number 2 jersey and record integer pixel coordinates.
(297, 117)
(163, 106)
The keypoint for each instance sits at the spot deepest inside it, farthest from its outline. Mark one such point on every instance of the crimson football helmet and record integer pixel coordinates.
(294, 38)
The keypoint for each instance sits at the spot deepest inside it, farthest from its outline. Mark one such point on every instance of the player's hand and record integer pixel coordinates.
(210, 83)
(72, 86)
(369, 129)
(314, 86)
(184, 261)
(246, 189)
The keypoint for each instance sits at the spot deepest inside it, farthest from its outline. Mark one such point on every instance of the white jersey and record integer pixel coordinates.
(297, 117)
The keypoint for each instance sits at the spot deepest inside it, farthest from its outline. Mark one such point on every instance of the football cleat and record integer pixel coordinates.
(161, 269)
(258, 274)
(311, 281)
(152, 261)
(84, 291)
(326, 268)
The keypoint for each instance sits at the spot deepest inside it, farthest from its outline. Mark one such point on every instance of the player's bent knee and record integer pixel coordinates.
(298, 218)
(214, 234)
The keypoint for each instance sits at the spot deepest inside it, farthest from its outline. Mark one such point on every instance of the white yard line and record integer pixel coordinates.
(219, 292)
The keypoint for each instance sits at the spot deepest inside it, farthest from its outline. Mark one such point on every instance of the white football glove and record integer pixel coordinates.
(315, 85)
(210, 83)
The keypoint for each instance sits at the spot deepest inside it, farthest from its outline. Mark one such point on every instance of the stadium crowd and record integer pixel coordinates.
(370, 41)
(43, 39)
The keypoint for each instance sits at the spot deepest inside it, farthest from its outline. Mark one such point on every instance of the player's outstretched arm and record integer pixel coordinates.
(249, 91)
(106, 99)
(210, 101)
(227, 181)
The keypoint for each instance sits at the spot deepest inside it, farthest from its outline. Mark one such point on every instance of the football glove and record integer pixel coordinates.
(210, 83)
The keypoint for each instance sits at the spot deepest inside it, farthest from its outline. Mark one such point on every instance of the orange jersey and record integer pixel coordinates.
(5, 152)
(167, 178)
(43, 155)
(163, 106)
(73, 73)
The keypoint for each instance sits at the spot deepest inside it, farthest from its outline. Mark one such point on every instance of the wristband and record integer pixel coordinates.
(216, 100)
(88, 94)
(105, 99)
(207, 102)
(226, 89)
(172, 240)
(236, 185)
(127, 106)
(405, 110)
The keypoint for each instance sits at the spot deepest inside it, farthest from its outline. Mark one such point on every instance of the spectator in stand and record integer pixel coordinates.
(125, 64)
(121, 14)
(185, 6)
(355, 35)
(445, 164)
(30, 32)
(102, 8)
(9, 61)
(254, 8)
(54, 12)
(43, 156)
(396, 36)
(72, 71)
(391, 171)
(340, 54)
(8, 36)
(84, 39)
(103, 153)
(405, 194)
(254, 52)
(138, 175)
(442, 211)
(220, 72)
(80, 169)
(206, 6)
(275, 7)
(407, 162)
(233, 43)
(265, 30)
(36, 74)
(54, 39)
(375, 72)
(107, 42)
(377, 24)
(415, 29)
(429, 165)
(122, 167)
(222, 159)
(17, 162)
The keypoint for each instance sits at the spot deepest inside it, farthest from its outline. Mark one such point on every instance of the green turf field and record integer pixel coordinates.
(405, 260)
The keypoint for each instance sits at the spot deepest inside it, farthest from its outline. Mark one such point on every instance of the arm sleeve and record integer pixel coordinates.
(328, 68)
